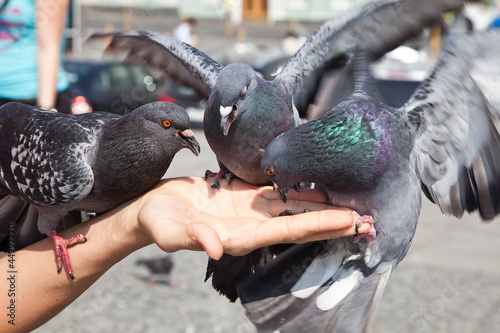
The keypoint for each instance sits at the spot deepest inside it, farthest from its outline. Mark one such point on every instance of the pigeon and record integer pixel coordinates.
(244, 112)
(377, 160)
(90, 162)
(157, 266)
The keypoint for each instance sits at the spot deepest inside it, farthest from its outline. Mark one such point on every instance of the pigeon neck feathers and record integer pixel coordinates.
(139, 137)
(350, 146)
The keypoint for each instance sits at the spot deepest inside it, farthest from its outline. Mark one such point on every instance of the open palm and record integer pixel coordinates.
(186, 213)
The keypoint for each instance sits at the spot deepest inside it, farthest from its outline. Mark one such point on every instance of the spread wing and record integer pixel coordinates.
(174, 58)
(377, 27)
(455, 115)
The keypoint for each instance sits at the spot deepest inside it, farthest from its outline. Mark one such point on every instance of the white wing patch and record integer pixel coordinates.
(338, 291)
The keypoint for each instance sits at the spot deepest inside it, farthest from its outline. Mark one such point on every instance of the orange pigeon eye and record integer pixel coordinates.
(270, 172)
(166, 123)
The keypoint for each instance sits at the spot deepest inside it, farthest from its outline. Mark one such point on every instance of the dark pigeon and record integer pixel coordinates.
(245, 112)
(90, 162)
(376, 159)
(158, 267)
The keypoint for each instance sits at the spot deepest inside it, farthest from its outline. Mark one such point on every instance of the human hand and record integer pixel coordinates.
(186, 213)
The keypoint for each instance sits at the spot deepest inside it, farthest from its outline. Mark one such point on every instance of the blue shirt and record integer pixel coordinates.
(18, 52)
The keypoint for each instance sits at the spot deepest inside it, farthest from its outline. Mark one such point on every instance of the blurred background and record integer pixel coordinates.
(447, 282)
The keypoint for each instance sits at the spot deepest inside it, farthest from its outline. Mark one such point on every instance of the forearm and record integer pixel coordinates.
(47, 78)
(51, 17)
(41, 293)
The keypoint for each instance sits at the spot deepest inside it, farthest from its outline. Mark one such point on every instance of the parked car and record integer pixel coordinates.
(112, 86)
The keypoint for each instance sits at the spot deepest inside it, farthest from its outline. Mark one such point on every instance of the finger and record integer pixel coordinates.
(304, 195)
(208, 239)
(275, 207)
(365, 227)
(194, 236)
(296, 228)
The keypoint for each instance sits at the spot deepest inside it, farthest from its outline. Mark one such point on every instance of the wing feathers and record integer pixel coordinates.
(174, 58)
(455, 116)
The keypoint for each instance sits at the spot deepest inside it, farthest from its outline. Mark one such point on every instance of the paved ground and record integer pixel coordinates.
(447, 283)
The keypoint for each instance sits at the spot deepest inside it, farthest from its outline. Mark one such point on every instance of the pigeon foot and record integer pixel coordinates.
(368, 236)
(288, 212)
(218, 176)
(61, 250)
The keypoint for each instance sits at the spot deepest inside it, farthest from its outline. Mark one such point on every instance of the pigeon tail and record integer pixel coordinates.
(229, 271)
(343, 302)
(18, 223)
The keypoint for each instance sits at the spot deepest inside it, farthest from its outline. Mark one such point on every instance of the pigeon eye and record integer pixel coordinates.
(243, 91)
(166, 123)
(270, 172)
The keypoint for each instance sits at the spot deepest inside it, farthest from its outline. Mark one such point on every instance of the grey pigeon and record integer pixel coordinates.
(245, 112)
(157, 267)
(376, 159)
(90, 162)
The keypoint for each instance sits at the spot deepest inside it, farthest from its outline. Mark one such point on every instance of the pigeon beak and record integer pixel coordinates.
(189, 141)
(227, 115)
(282, 192)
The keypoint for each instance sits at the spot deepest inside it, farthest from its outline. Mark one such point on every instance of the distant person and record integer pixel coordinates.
(31, 53)
(184, 32)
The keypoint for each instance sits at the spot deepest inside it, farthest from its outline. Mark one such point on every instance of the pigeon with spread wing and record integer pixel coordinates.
(377, 159)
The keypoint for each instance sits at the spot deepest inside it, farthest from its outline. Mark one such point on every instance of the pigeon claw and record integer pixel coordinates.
(288, 212)
(218, 176)
(61, 250)
(368, 236)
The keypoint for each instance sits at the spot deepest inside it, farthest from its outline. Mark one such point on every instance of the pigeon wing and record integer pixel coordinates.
(377, 27)
(168, 55)
(44, 155)
(455, 115)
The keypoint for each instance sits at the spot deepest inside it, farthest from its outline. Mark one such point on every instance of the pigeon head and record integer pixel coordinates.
(348, 149)
(233, 83)
(171, 124)
(275, 165)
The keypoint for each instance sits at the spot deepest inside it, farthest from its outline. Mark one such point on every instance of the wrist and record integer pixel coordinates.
(125, 231)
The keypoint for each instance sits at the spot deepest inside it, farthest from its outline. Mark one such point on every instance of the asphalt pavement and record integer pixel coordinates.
(447, 282)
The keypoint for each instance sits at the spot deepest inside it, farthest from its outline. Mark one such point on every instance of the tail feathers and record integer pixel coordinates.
(345, 305)
(18, 223)
(228, 271)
